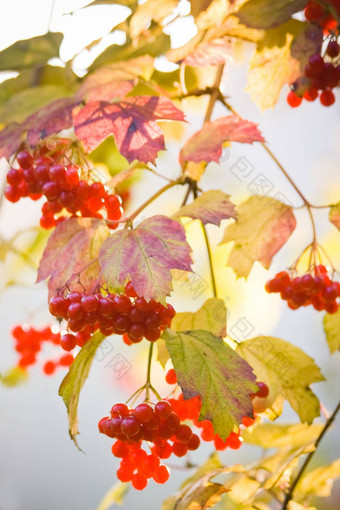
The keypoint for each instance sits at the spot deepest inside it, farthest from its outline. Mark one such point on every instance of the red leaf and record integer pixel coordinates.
(206, 144)
(131, 122)
(73, 246)
(145, 255)
(211, 53)
(50, 119)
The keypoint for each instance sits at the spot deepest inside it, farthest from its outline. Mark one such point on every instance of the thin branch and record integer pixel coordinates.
(211, 265)
(309, 457)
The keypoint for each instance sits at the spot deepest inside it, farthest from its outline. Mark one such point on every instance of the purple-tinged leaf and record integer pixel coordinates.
(132, 123)
(73, 249)
(211, 53)
(145, 255)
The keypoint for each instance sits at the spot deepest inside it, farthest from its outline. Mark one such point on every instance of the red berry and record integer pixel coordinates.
(66, 360)
(327, 98)
(311, 94)
(89, 303)
(139, 482)
(293, 100)
(161, 474)
(119, 409)
(56, 173)
(171, 377)
(14, 176)
(68, 342)
(163, 409)
(24, 159)
(49, 367)
(333, 49)
(143, 413)
(129, 290)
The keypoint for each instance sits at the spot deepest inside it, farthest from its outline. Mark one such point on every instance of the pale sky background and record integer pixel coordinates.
(40, 466)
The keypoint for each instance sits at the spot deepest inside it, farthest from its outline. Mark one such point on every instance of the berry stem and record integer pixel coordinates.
(211, 265)
(309, 457)
(148, 373)
(160, 192)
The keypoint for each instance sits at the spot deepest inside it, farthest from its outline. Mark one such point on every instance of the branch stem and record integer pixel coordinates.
(309, 457)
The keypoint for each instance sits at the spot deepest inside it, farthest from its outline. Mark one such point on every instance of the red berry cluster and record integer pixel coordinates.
(120, 314)
(28, 343)
(322, 73)
(316, 289)
(322, 13)
(190, 410)
(64, 185)
(160, 426)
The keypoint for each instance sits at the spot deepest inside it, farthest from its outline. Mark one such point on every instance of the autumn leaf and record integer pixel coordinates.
(33, 52)
(205, 365)
(211, 53)
(268, 13)
(206, 144)
(273, 435)
(51, 119)
(114, 496)
(319, 481)
(287, 371)
(13, 377)
(272, 64)
(116, 80)
(211, 316)
(131, 122)
(145, 255)
(74, 381)
(197, 6)
(262, 227)
(331, 324)
(213, 206)
(10, 139)
(73, 248)
(334, 214)
(151, 10)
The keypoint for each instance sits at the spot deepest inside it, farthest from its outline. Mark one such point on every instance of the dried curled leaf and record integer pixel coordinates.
(334, 215)
(262, 227)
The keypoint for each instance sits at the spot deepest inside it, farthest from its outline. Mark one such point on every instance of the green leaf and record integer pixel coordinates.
(331, 324)
(205, 365)
(262, 227)
(114, 496)
(319, 482)
(334, 215)
(146, 255)
(212, 317)
(287, 371)
(14, 377)
(32, 52)
(74, 381)
(268, 13)
(272, 435)
(26, 102)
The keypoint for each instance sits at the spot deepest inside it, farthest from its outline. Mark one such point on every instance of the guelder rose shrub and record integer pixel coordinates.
(78, 149)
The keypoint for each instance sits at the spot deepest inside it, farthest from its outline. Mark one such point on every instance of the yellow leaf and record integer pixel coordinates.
(211, 317)
(13, 377)
(162, 352)
(272, 65)
(114, 496)
(150, 10)
(287, 371)
(261, 229)
(331, 323)
(319, 482)
(272, 435)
